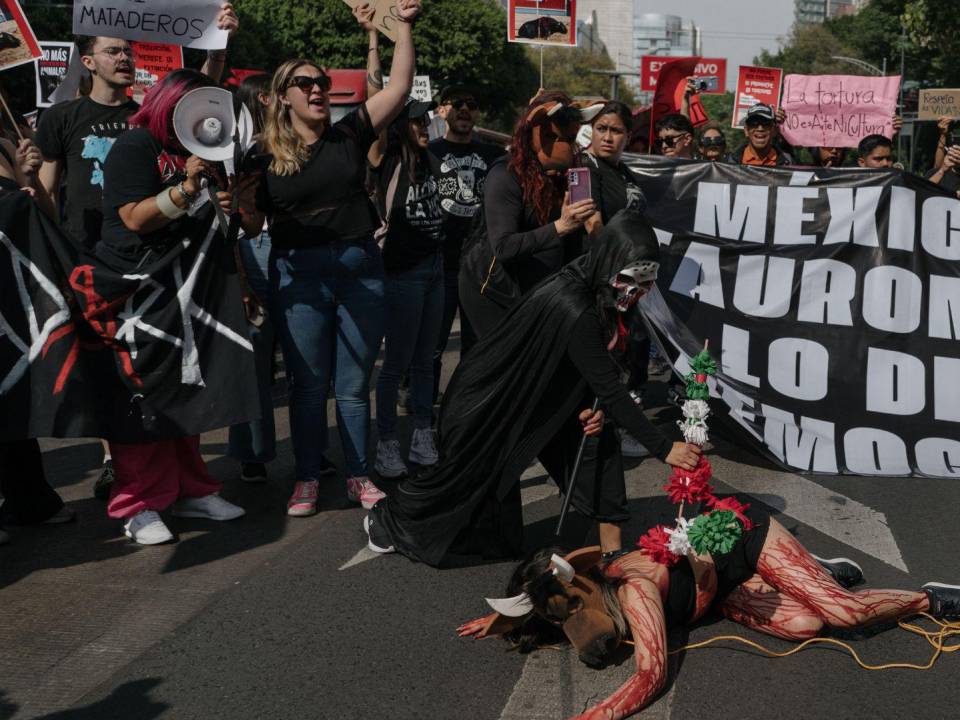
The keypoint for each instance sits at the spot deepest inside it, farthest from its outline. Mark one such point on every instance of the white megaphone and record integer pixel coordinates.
(205, 124)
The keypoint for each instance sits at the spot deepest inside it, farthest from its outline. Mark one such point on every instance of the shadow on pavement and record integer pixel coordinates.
(7, 708)
(130, 700)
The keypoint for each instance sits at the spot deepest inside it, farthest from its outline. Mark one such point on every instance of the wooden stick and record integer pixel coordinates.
(6, 107)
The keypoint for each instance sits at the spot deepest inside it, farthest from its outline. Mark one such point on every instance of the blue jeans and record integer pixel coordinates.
(328, 312)
(414, 313)
(255, 440)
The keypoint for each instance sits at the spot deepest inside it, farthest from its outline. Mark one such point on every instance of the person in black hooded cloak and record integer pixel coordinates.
(520, 394)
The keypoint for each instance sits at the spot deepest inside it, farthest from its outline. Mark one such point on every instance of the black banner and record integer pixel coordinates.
(86, 351)
(831, 302)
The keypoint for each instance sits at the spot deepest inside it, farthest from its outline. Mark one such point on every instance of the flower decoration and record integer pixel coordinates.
(679, 543)
(715, 533)
(655, 544)
(735, 506)
(690, 486)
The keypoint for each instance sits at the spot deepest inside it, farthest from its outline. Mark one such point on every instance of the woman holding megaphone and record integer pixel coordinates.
(326, 273)
(150, 183)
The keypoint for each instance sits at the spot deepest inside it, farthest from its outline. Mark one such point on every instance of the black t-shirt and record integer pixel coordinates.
(416, 220)
(614, 188)
(80, 134)
(950, 181)
(140, 168)
(461, 174)
(326, 200)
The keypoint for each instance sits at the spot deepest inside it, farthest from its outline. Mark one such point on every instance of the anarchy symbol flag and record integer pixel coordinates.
(132, 356)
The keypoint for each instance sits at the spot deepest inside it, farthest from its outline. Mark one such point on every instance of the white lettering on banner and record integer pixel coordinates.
(745, 218)
(853, 210)
(941, 232)
(699, 274)
(192, 23)
(735, 355)
(827, 289)
(790, 216)
(871, 451)
(809, 446)
(743, 408)
(895, 382)
(946, 389)
(764, 285)
(943, 315)
(902, 219)
(798, 368)
(939, 457)
(892, 299)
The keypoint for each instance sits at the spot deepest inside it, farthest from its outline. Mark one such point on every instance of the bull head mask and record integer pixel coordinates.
(554, 127)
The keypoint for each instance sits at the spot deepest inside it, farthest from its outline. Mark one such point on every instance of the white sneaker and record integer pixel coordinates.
(211, 507)
(423, 447)
(146, 528)
(630, 447)
(389, 464)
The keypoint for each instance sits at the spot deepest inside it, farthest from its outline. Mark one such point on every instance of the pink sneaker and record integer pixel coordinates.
(303, 502)
(363, 491)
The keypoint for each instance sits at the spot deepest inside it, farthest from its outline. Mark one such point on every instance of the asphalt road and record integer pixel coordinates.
(270, 617)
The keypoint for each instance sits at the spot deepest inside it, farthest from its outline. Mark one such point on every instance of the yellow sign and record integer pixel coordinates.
(937, 103)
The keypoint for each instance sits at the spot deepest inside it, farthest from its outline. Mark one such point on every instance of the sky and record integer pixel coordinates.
(735, 29)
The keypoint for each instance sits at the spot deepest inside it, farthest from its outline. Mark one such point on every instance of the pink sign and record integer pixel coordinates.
(838, 110)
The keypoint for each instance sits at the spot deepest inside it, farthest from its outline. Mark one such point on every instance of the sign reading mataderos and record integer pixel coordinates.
(192, 23)
(831, 301)
(838, 110)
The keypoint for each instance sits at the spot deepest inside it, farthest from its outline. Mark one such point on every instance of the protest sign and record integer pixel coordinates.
(755, 85)
(542, 22)
(70, 86)
(712, 70)
(938, 103)
(830, 303)
(385, 15)
(52, 69)
(421, 90)
(670, 90)
(838, 110)
(18, 44)
(191, 23)
(154, 62)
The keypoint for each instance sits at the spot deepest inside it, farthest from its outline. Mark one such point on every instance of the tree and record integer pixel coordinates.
(568, 69)
(933, 27)
(810, 51)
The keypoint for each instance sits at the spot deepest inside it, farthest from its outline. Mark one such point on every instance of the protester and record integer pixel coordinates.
(675, 136)
(326, 273)
(464, 162)
(531, 229)
(76, 137)
(149, 185)
(828, 157)
(760, 127)
(711, 143)
(875, 151)
(946, 175)
(526, 391)
(944, 125)
(254, 443)
(614, 186)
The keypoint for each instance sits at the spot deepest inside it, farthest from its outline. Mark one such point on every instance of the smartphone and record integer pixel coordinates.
(578, 183)
(708, 83)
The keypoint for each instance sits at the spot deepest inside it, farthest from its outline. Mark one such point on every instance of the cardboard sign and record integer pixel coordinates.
(706, 68)
(838, 110)
(52, 69)
(755, 85)
(938, 103)
(192, 23)
(154, 62)
(542, 22)
(385, 15)
(19, 44)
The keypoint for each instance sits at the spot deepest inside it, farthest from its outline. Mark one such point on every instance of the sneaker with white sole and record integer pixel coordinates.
(146, 528)
(423, 447)
(630, 447)
(844, 570)
(210, 507)
(303, 502)
(944, 600)
(389, 464)
(374, 534)
(370, 494)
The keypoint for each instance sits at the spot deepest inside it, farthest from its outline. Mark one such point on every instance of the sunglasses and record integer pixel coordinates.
(759, 123)
(671, 140)
(305, 83)
(461, 103)
(713, 141)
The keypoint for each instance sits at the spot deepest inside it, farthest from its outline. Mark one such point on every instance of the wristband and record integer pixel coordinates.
(190, 198)
(167, 206)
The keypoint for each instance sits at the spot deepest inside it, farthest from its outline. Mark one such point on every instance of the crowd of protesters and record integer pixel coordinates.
(353, 240)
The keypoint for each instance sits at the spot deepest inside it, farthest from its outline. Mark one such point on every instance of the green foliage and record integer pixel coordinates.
(810, 51)
(568, 69)
(933, 28)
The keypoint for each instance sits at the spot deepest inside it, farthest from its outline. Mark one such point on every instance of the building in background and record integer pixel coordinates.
(811, 12)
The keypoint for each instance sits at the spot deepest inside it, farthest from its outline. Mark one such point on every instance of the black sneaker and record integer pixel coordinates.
(253, 472)
(377, 540)
(844, 570)
(327, 468)
(944, 599)
(103, 484)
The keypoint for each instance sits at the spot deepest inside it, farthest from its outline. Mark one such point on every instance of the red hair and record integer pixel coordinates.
(156, 113)
(541, 192)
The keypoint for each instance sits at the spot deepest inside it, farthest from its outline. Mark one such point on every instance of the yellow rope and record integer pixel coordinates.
(936, 639)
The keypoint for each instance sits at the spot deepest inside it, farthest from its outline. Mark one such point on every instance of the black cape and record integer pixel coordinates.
(506, 400)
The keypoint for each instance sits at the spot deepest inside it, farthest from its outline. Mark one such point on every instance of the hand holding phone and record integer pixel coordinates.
(578, 183)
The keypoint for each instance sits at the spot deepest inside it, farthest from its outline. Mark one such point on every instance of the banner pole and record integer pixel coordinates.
(541, 66)
(16, 126)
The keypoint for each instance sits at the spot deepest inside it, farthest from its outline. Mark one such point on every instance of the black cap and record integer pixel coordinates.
(416, 109)
(451, 91)
(760, 111)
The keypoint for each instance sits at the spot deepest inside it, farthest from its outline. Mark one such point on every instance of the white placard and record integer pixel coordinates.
(422, 89)
(191, 23)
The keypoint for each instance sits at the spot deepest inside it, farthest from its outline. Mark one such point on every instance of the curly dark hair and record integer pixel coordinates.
(542, 192)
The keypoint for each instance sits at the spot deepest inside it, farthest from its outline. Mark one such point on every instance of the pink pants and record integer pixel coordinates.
(151, 476)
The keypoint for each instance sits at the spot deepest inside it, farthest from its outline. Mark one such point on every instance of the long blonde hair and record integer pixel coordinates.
(282, 141)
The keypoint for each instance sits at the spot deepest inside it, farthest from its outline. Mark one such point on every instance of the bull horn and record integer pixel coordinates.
(555, 109)
(587, 114)
(562, 569)
(516, 606)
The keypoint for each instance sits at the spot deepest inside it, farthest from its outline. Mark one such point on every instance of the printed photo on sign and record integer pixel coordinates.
(190, 23)
(18, 44)
(542, 22)
(52, 70)
(755, 85)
